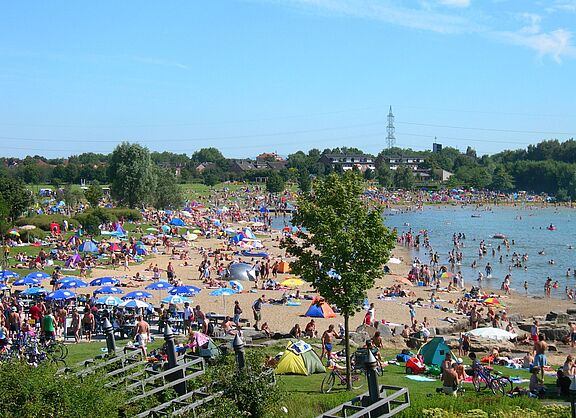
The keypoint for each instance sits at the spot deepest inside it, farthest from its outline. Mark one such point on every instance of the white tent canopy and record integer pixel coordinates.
(492, 333)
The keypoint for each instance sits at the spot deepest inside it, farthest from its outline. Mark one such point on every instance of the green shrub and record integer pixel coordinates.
(27, 391)
(43, 221)
(127, 214)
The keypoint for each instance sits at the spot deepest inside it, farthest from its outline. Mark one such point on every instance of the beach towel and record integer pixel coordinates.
(419, 378)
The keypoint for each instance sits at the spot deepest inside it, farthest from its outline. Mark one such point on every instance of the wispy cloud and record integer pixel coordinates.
(160, 62)
(455, 17)
(423, 18)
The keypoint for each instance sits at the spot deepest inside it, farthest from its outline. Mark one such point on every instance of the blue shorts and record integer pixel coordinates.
(540, 360)
(328, 347)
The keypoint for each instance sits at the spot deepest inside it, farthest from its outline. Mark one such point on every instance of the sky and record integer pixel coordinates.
(252, 76)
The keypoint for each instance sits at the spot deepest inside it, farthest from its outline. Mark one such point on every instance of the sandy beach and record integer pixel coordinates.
(281, 318)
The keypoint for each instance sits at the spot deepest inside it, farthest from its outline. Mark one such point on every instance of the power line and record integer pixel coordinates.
(488, 129)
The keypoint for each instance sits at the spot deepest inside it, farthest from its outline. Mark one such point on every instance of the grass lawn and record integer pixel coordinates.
(303, 398)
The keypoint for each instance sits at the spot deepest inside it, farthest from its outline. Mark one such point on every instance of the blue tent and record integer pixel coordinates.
(177, 222)
(88, 247)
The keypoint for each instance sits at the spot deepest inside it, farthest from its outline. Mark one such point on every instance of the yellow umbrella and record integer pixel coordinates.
(294, 282)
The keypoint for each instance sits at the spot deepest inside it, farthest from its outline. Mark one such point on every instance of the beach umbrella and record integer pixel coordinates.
(177, 222)
(446, 275)
(109, 290)
(38, 275)
(67, 279)
(405, 281)
(491, 301)
(175, 299)
(137, 294)
(61, 295)
(293, 282)
(88, 247)
(152, 229)
(492, 333)
(104, 281)
(184, 290)
(7, 274)
(72, 284)
(223, 291)
(26, 281)
(236, 285)
(108, 300)
(394, 260)
(28, 227)
(3, 286)
(34, 291)
(159, 286)
(134, 304)
(14, 232)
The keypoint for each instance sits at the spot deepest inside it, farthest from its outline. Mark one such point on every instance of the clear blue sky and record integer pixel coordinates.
(283, 75)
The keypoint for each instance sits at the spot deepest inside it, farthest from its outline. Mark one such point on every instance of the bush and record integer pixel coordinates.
(548, 411)
(27, 391)
(43, 221)
(127, 214)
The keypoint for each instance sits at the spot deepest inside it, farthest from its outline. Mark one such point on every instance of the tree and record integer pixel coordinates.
(15, 196)
(132, 175)
(385, 176)
(404, 177)
(94, 194)
(304, 181)
(501, 180)
(212, 155)
(344, 246)
(168, 194)
(275, 183)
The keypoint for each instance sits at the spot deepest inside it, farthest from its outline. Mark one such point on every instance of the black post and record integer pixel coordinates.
(110, 341)
(371, 366)
(573, 397)
(238, 346)
(173, 361)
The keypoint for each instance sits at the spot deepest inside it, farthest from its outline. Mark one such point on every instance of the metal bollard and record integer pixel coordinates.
(110, 341)
(173, 361)
(238, 346)
(371, 366)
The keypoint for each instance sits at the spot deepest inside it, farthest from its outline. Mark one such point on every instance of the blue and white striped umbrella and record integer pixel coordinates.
(67, 279)
(159, 286)
(7, 274)
(101, 281)
(26, 281)
(175, 299)
(61, 295)
(134, 304)
(223, 291)
(108, 300)
(40, 275)
(72, 284)
(3, 286)
(34, 291)
(185, 290)
(109, 290)
(137, 294)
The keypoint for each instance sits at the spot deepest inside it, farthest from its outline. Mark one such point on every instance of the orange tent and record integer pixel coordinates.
(283, 267)
(320, 309)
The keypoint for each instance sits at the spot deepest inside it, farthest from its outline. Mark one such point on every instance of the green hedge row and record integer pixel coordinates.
(43, 221)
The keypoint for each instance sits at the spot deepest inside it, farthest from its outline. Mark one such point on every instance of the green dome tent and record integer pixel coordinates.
(299, 358)
(434, 351)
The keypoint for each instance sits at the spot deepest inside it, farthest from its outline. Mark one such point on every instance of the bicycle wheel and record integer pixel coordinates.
(57, 350)
(357, 379)
(328, 383)
(478, 382)
(504, 385)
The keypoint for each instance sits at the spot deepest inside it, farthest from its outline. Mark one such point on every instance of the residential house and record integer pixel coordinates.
(347, 162)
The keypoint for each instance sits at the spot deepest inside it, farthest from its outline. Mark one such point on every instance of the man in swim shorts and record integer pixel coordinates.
(327, 340)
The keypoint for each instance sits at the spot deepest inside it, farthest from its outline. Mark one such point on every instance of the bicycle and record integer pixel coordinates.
(483, 378)
(329, 380)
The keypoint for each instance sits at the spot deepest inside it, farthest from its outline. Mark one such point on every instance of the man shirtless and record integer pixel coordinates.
(88, 323)
(327, 340)
(540, 348)
(14, 322)
(142, 332)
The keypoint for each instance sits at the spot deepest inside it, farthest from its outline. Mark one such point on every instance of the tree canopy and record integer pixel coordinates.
(343, 245)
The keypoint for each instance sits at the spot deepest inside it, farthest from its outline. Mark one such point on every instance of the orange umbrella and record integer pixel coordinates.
(491, 301)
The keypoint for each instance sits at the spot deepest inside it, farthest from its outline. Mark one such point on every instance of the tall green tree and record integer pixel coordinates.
(94, 194)
(344, 246)
(404, 177)
(304, 182)
(385, 176)
(132, 175)
(275, 183)
(167, 193)
(16, 196)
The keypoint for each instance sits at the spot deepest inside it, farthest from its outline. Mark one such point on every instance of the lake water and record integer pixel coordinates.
(526, 226)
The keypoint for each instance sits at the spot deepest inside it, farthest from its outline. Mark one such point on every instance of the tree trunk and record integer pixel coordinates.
(347, 349)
